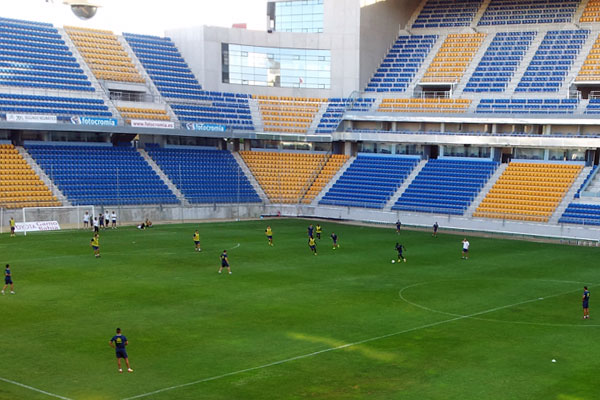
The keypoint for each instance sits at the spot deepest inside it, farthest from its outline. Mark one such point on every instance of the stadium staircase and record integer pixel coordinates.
(259, 190)
(256, 115)
(154, 92)
(90, 75)
(527, 58)
(462, 83)
(415, 15)
(485, 190)
(333, 180)
(164, 177)
(593, 187)
(480, 12)
(426, 62)
(580, 59)
(43, 177)
(582, 5)
(569, 196)
(317, 119)
(405, 184)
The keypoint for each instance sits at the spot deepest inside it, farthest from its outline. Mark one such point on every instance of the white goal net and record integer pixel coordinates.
(68, 217)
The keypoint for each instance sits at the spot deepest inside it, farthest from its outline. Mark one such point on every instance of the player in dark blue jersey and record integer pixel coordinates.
(118, 342)
(400, 249)
(335, 239)
(585, 300)
(435, 229)
(310, 231)
(8, 280)
(398, 226)
(224, 262)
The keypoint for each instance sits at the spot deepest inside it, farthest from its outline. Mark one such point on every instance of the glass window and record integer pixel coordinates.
(276, 67)
(299, 16)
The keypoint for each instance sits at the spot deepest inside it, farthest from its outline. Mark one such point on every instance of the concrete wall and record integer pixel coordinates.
(135, 214)
(379, 26)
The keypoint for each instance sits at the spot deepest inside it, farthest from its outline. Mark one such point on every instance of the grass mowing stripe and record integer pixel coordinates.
(34, 389)
(315, 353)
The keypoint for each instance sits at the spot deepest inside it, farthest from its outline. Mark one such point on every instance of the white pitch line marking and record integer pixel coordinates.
(213, 378)
(34, 389)
(235, 247)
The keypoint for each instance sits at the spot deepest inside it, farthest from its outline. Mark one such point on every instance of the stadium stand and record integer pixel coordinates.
(453, 58)
(590, 70)
(401, 63)
(579, 213)
(230, 110)
(205, 175)
(143, 113)
(370, 181)
(331, 167)
(104, 55)
(591, 13)
(527, 106)
(528, 191)
(362, 104)
(500, 61)
(101, 174)
(332, 116)
(552, 61)
(62, 107)
(446, 186)
(511, 12)
(34, 55)
(447, 13)
(285, 177)
(175, 81)
(288, 114)
(424, 105)
(165, 65)
(19, 185)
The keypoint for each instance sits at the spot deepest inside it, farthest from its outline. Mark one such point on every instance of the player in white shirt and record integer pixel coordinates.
(96, 224)
(113, 217)
(86, 220)
(465, 249)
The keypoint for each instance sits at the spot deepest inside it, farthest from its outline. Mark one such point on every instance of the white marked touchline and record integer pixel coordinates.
(34, 389)
(213, 378)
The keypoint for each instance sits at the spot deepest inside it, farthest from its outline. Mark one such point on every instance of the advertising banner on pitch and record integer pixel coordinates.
(32, 118)
(205, 127)
(93, 121)
(37, 226)
(141, 123)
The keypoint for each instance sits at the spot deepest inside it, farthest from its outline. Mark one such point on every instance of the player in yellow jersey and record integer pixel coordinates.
(196, 238)
(318, 231)
(269, 233)
(95, 243)
(313, 245)
(12, 227)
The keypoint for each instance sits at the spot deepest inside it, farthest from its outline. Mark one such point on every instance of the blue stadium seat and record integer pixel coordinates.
(369, 181)
(446, 186)
(204, 175)
(101, 175)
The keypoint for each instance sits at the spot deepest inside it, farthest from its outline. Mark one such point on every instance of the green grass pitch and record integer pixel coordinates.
(346, 324)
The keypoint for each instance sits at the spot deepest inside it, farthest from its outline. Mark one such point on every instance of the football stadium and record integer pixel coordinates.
(366, 199)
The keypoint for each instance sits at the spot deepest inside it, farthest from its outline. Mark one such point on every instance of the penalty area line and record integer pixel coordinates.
(316, 353)
(34, 389)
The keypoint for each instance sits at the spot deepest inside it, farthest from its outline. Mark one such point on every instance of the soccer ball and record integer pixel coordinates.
(393, 261)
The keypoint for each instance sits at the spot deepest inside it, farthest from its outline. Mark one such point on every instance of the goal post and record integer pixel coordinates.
(66, 216)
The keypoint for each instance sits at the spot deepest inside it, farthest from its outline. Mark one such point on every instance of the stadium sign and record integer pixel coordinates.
(141, 123)
(93, 121)
(205, 127)
(32, 118)
(37, 226)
